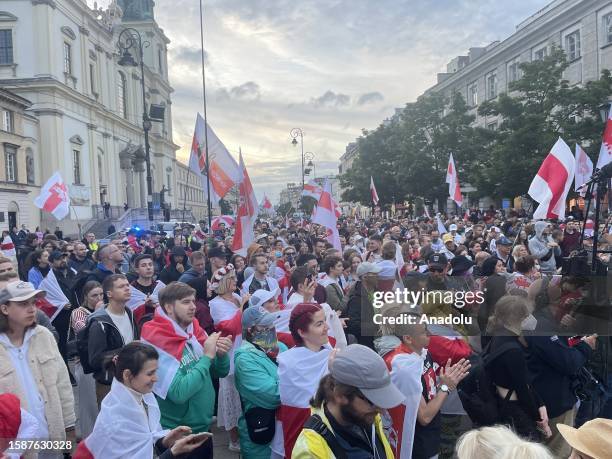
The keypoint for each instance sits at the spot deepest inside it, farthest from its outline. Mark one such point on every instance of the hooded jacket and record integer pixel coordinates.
(538, 247)
(170, 273)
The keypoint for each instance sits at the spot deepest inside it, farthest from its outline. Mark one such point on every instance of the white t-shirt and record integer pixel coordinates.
(123, 323)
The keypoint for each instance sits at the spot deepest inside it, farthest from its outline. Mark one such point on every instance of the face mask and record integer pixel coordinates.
(278, 254)
(266, 340)
(529, 323)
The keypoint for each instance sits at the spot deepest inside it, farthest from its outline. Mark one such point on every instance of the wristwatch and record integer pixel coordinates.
(444, 388)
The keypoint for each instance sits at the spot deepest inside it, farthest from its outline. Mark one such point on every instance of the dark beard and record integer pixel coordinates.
(349, 416)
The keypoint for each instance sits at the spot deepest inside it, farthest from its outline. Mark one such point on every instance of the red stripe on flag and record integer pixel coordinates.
(554, 173)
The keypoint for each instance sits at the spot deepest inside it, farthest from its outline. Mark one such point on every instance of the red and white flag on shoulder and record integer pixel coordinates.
(553, 181)
(8, 247)
(54, 197)
(584, 170)
(325, 215)
(452, 178)
(605, 152)
(373, 192)
(246, 215)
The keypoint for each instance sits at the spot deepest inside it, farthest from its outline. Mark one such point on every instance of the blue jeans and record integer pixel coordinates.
(599, 407)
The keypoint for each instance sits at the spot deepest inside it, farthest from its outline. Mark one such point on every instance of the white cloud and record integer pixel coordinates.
(322, 66)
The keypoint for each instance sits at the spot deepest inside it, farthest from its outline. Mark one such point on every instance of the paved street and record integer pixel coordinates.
(221, 442)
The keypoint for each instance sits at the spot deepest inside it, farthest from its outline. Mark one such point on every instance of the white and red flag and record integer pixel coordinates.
(605, 152)
(452, 178)
(373, 192)
(553, 181)
(406, 370)
(138, 301)
(246, 215)
(54, 197)
(54, 300)
(584, 170)
(299, 373)
(224, 171)
(325, 215)
(312, 190)
(170, 340)
(8, 247)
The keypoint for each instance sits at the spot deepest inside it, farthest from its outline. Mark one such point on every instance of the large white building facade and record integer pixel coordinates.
(62, 57)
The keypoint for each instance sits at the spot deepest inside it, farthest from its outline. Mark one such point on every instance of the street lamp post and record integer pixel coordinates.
(310, 166)
(131, 38)
(295, 133)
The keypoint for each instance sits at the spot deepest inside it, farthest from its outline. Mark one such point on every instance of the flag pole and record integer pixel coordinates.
(76, 217)
(185, 193)
(208, 204)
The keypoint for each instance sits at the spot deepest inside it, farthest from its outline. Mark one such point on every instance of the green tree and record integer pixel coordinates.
(540, 107)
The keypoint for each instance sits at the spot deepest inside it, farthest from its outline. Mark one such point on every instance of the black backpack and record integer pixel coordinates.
(478, 393)
(82, 346)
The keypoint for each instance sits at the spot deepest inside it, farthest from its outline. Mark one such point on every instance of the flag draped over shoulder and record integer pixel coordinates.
(8, 247)
(224, 171)
(553, 181)
(54, 197)
(169, 340)
(406, 370)
(299, 373)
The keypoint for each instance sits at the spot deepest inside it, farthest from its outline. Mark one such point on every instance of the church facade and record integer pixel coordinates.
(62, 57)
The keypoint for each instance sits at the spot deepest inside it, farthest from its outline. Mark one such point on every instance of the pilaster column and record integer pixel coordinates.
(125, 162)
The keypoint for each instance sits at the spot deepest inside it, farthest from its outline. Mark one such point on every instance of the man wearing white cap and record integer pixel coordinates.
(346, 419)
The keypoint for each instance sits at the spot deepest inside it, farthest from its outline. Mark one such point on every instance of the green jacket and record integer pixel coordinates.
(191, 397)
(256, 378)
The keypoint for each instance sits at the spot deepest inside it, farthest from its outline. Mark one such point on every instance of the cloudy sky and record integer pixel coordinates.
(330, 67)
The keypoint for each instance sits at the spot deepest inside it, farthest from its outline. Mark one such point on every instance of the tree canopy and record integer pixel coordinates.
(407, 157)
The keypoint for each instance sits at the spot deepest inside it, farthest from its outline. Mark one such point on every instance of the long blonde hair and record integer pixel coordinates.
(497, 442)
(510, 311)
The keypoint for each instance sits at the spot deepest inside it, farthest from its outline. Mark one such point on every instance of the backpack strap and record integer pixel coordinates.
(316, 424)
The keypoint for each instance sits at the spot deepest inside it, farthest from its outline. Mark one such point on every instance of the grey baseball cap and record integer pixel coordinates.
(257, 315)
(361, 367)
(366, 268)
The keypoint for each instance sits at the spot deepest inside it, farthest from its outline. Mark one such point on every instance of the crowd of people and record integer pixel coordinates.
(135, 346)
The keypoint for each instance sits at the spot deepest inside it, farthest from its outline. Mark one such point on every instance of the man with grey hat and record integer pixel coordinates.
(346, 419)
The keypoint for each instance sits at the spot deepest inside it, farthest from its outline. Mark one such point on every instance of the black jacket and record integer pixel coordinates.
(360, 314)
(554, 366)
(170, 273)
(104, 338)
(80, 266)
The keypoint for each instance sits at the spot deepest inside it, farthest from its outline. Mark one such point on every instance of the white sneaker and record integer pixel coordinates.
(234, 447)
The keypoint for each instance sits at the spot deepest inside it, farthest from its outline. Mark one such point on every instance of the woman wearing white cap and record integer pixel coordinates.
(31, 366)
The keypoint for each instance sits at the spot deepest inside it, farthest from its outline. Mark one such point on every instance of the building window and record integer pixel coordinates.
(100, 171)
(160, 57)
(572, 45)
(67, 58)
(540, 54)
(492, 126)
(6, 46)
(473, 94)
(491, 82)
(10, 161)
(513, 71)
(76, 166)
(30, 172)
(92, 78)
(607, 27)
(122, 95)
(8, 121)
